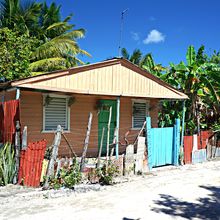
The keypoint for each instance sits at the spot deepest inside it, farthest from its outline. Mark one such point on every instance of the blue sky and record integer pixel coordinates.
(163, 27)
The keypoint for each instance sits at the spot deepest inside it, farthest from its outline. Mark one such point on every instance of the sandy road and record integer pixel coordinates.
(188, 192)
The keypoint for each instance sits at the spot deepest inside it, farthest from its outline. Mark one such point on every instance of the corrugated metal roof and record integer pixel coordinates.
(116, 77)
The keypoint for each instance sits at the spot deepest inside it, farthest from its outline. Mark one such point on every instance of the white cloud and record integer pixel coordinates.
(154, 37)
(135, 36)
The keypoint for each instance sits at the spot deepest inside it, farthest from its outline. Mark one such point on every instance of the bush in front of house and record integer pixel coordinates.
(67, 177)
(105, 175)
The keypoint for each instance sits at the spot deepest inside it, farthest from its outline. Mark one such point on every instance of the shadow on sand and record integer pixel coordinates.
(207, 208)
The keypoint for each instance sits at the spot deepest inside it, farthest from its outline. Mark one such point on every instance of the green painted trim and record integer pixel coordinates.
(117, 126)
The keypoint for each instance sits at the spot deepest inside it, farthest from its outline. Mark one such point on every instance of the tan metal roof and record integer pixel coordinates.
(116, 77)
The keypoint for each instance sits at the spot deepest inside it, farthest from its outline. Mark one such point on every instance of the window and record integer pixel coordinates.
(140, 111)
(56, 112)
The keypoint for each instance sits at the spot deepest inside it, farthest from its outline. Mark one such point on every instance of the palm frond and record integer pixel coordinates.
(68, 18)
(54, 48)
(125, 53)
(73, 61)
(74, 34)
(83, 52)
(136, 56)
(58, 25)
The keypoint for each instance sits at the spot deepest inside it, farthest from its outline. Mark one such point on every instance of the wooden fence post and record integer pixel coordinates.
(149, 144)
(17, 150)
(24, 139)
(100, 148)
(86, 142)
(50, 170)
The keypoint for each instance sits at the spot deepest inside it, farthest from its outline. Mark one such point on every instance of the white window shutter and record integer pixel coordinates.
(56, 113)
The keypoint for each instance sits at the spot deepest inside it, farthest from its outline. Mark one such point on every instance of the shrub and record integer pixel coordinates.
(106, 174)
(68, 177)
(71, 176)
(7, 164)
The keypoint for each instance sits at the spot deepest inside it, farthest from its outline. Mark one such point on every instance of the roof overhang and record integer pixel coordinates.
(34, 83)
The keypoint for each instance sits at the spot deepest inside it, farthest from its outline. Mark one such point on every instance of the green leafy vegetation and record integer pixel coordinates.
(198, 77)
(35, 39)
(68, 177)
(15, 54)
(45, 42)
(7, 164)
(105, 175)
(144, 61)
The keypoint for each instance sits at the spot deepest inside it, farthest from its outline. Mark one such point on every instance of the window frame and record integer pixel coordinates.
(67, 110)
(147, 102)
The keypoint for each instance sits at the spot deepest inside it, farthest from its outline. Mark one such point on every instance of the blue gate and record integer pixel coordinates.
(163, 144)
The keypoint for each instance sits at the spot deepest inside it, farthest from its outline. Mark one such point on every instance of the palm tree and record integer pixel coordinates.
(58, 53)
(144, 61)
(59, 49)
(135, 57)
(56, 40)
(18, 15)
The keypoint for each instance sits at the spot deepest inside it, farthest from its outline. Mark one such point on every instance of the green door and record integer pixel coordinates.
(103, 121)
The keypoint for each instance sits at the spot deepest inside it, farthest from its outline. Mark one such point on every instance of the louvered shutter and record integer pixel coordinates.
(56, 113)
(140, 110)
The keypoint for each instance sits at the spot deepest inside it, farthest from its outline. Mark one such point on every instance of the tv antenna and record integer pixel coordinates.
(121, 31)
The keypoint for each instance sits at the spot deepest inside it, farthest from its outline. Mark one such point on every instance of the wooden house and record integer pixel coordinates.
(66, 97)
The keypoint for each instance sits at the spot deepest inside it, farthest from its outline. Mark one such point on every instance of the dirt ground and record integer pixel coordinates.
(188, 192)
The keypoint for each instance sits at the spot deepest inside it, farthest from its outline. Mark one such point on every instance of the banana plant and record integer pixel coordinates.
(147, 63)
(199, 79)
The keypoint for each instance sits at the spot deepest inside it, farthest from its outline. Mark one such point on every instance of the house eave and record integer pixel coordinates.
(88, 92)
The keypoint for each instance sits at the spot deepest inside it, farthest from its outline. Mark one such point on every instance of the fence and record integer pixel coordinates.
(31, 164)
(195, 147)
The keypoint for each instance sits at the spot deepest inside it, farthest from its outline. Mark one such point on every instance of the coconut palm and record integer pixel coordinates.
(144, 61)
(58, 53)
(56, 39)
(18, 15)
(59, 49)
(135, 57)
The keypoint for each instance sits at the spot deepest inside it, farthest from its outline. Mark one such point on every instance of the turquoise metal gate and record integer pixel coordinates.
(163, 144)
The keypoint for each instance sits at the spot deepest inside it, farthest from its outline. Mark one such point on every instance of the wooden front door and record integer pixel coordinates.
(103, 122)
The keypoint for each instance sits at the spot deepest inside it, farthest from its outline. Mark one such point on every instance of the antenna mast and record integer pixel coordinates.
(121, 31)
